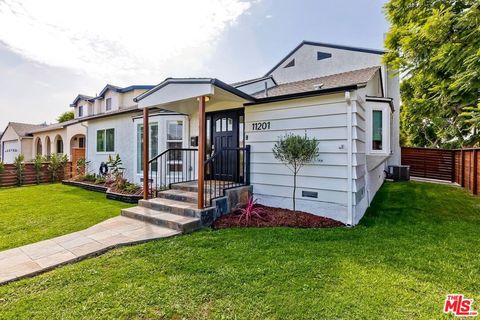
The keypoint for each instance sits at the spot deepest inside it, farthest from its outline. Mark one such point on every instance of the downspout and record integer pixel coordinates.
(348, 99)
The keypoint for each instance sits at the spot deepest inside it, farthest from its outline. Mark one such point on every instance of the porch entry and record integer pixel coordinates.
(225, 159)
(224, 136)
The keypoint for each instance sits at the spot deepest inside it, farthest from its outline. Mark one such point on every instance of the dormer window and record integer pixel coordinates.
(80, 111)
(290, 64)
(323, 55)
(108, 104)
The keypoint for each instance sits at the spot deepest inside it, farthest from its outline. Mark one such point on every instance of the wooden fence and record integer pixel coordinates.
(461, 166)
(8, 177)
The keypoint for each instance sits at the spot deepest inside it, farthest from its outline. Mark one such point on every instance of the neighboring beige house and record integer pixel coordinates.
(68, 138)
(16, 139)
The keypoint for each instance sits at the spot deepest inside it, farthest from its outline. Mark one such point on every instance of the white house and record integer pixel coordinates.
(342, 96)
(16, 139)
(114, 126)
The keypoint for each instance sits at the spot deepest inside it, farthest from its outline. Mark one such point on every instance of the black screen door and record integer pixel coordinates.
(225, 135)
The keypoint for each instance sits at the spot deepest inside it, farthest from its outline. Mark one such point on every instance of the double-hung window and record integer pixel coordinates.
(175, 141)
(108, 104)
(106, 140)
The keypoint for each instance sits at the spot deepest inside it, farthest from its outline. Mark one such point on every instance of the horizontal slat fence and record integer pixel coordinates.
(8, 177)
(461, 166)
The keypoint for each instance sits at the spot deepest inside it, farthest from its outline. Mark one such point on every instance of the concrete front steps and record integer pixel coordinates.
(175, 209)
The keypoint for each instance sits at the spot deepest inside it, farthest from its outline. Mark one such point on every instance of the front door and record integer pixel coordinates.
(225, 128)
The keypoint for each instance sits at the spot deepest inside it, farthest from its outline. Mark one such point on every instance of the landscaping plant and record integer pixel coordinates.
(295, 151)
(56, 166)
(2, 170)
(250, 211)
(19, 169)
(116, 166)
(81, 166)
(38, 166)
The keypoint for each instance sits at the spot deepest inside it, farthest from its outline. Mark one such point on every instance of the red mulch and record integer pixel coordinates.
(277, 217)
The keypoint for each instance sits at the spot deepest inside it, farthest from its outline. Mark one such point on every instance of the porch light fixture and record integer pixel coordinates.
(207, 98)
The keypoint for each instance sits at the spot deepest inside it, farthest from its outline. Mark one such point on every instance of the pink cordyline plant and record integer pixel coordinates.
(250, 210)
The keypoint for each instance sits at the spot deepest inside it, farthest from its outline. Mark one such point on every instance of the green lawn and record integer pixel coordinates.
(33, 213)
(417, 243)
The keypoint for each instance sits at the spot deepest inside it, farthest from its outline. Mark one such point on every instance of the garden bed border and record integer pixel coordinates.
(128, 198)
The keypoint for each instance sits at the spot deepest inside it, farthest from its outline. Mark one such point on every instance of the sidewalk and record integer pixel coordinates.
(33, 259)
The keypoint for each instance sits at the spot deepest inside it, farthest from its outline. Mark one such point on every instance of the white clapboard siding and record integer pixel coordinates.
(307, 170)
(323, 118)
(319, 133)
(286, 179)
(328, 196)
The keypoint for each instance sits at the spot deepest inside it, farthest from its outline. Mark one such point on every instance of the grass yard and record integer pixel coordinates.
(34, 213)
(417, 243)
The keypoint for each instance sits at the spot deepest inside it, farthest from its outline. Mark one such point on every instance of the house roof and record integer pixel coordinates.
(212, 81)
(110, 113)
(122, 90)
(80, 97)
(338, 80)
(22, 129)
(54, 126)
(328, 45)
(250, 81)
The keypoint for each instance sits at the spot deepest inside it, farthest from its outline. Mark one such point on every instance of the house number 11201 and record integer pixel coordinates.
(258, 126)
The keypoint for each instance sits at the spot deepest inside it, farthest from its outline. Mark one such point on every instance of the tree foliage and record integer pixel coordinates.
(66, 116)
(435, 45)
(295, 151)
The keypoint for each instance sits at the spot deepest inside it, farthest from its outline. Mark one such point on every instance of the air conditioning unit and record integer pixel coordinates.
(399, 173)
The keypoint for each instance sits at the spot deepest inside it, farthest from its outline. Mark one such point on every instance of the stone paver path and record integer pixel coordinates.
(42, 256)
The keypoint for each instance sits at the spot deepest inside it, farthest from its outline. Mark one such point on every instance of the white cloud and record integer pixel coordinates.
(115, 40)
(268, 16)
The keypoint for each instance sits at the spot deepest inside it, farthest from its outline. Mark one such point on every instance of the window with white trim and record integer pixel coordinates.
(80, 111)
(153, 139)
(175, 141)
(108, 104)
(106, 140)
(379, 128)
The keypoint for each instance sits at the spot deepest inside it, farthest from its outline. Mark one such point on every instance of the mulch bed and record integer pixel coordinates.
(277, 217)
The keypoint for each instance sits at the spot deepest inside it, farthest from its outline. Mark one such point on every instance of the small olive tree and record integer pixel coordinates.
(38, 166)
(19, 169)
(2, 169)
(295, 151)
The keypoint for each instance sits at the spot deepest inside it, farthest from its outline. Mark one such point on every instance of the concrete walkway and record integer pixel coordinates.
(45, 255)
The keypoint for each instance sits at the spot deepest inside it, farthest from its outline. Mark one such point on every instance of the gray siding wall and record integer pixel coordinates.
(324, 118)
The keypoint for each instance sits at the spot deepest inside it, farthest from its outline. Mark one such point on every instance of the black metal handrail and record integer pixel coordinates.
(175, 165)
(227, 168)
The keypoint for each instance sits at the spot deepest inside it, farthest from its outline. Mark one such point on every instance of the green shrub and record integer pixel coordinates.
(116, 166)
(38, 166)
(56, 166)
(91, 177)
(81, 166)
(19, 169)
(2, 170)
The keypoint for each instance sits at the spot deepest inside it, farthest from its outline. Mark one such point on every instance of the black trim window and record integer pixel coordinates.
(106, 140)
(323, 55)
(108, 104)
(290, 64)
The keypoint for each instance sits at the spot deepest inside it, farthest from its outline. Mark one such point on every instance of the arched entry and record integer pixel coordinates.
(48, 146)
(77, 152)
(38, 147)
(58, 144)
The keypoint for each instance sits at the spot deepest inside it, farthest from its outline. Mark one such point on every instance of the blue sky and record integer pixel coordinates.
(47, 57)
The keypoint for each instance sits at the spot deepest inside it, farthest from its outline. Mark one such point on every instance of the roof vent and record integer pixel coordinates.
(317, 86)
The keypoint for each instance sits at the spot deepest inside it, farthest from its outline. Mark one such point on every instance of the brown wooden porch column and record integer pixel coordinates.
(201, 151)
(146, 153)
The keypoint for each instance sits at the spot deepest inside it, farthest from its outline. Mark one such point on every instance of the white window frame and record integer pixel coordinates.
(105, 137)
(386, 112)
(80, 111)
(139, 125)
(106, 104)
(182, 140)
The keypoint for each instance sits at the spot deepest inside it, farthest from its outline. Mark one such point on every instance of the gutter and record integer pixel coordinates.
(348, 99)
